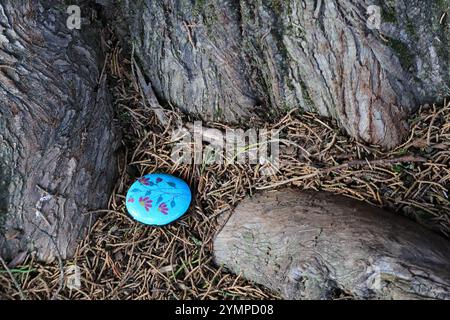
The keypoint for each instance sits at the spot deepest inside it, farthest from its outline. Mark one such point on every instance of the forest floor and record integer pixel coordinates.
(122, 259)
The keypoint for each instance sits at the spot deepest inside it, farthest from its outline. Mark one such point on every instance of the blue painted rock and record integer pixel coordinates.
(158, 199)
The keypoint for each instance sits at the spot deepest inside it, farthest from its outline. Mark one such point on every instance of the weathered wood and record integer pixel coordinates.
(227, 59)
(57, 138)
(312, 245)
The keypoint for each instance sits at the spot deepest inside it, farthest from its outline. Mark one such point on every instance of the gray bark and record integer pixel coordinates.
(57, 138)
(222, 60)
(232, 59)
(314, 245)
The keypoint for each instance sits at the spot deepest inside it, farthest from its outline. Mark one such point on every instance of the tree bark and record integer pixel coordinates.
(231, 59)
(314, 245)
(57, 138)
(222, 60)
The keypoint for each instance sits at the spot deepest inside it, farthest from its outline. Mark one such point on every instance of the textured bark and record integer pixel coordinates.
(229, 59)
(313, 245)
(192, 53)
(56, 129)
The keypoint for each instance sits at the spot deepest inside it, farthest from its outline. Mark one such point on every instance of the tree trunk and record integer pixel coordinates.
(314, 245)
(227, 60)
(222, 60)
(57, 139)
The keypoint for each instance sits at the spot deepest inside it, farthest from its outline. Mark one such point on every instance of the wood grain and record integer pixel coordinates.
(315, 245)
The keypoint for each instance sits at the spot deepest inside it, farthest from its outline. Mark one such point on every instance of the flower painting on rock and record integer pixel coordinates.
(158, 199)
(163, 208)
(145, 202)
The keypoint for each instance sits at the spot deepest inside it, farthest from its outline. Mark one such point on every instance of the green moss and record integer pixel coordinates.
(199, 6)
(443, 5)
(210, 20)
(218, 113)
(306, 97)
(248, 237)
(398, 168)
(278, 7)
(403, 53)
(411, 30)
(388, 14)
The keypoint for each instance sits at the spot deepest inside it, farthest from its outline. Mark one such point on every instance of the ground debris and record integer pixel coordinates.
(121, 259)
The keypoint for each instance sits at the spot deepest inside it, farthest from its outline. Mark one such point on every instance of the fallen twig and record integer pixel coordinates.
(378, 161)
(150, 95)
(13, 279)
(343, 166)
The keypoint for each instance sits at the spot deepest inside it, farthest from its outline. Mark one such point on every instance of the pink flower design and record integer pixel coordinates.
(158, 180)
(145, 181)
(163, 208)
(131, 200)
(145, 202)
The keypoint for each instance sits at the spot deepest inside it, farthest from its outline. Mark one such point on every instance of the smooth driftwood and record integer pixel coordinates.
(232, 59)
(313, 245)
(56, 129)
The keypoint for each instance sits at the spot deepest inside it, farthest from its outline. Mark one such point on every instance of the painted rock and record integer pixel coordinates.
(158, 199)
